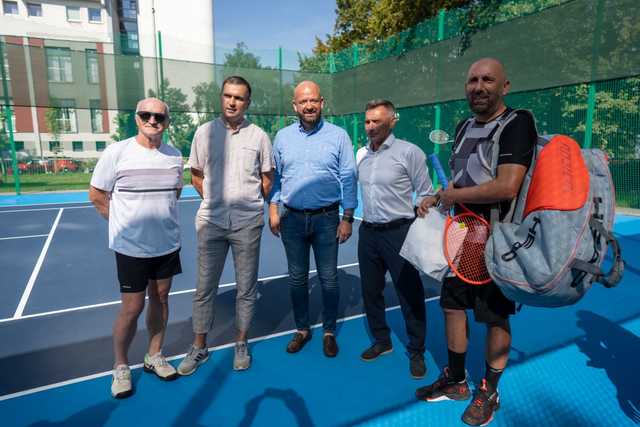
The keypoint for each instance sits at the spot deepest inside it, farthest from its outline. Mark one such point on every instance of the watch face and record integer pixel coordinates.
(349, 219)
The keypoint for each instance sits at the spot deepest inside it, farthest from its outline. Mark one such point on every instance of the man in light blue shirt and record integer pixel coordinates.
(315, 174)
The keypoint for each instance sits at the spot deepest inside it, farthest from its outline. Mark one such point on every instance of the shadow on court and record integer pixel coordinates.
(614, 349)
(95, 415)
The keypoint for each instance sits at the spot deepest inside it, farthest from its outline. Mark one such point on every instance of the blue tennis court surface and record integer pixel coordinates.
(574, 366)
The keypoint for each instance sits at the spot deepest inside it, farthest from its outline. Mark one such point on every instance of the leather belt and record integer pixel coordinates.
(326, 209)
(387, 225)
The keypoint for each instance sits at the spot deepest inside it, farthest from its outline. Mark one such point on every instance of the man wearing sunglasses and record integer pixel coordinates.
(135, 186)
(231, 170)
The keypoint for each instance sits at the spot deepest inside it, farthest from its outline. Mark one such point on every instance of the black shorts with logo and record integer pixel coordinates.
(134, 273)
(488, 303)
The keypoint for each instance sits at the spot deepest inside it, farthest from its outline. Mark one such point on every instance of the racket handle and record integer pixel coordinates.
(437, 166)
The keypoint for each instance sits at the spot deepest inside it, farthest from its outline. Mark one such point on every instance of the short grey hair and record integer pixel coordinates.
(375, 103)
(142, 101)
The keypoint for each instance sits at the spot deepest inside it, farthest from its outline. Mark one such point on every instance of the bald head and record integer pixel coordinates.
(308, 103)
(485, 88)
(152, 118)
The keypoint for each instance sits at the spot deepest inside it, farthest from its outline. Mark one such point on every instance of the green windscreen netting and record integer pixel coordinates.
(575, 64)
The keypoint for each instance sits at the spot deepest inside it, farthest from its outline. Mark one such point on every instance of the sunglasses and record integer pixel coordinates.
(146, 115)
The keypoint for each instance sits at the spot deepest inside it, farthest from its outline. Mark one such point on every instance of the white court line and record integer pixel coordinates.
(89, 205)
(180, 356)
(185, 291)
(23, 237)
(36, 269)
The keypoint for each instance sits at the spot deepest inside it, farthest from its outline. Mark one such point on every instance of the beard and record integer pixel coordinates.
(482, 104)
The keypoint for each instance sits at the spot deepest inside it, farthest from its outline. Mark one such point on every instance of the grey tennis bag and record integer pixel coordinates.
(552, 251)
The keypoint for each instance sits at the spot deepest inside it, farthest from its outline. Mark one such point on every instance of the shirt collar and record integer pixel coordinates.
(386, 144)
(244, 124)
(313, 130)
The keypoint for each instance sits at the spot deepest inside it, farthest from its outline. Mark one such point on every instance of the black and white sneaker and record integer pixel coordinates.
(193, 359)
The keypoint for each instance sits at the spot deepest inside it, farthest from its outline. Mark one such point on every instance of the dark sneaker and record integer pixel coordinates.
(481, 409)
(375, 351)
(444, 389)
(416, 366)
(298, 341)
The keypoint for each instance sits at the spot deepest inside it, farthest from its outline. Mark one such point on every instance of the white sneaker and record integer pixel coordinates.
(159, 366)
(121, 383)
(193, 359)
(241, 357)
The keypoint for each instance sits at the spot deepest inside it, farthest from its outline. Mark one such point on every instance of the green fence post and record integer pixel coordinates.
(8, 114)
(281, 101)
(591, 107)
(165, 135)
(437, 107)
(356, 55)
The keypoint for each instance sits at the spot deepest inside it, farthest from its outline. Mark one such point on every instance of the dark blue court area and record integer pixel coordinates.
(574, 366)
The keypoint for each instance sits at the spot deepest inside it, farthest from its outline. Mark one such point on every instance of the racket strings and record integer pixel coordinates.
(466, 237)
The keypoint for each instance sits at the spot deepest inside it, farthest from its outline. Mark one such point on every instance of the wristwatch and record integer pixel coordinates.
(348, 218)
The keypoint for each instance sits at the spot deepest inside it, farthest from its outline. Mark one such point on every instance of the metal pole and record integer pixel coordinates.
(438, 108)
(281, 100)
(8, 115)
(165, 135)
(591, 99)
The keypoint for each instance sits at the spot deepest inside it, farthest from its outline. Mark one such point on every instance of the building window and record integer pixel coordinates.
(73, 13)
(59, 65)
(10, 7)
(93, 67)
(19, 145)
(100, 145)
(95, 15)
(96, 116)
(66, 116)
(34, 9)
(78, 146)
(54, 146)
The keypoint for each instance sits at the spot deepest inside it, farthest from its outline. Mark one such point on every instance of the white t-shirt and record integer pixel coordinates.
(143, 215)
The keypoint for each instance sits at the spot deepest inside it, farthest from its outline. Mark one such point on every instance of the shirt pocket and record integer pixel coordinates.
(249, 159)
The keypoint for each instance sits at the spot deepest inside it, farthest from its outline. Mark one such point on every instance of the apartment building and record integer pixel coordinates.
(90, 59)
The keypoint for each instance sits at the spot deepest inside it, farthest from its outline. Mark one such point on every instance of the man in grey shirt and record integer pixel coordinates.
(231, 169)
(390, 170)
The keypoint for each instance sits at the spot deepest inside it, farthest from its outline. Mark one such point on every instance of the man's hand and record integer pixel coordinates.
(447, 197)
(344, 231)
(427, 203)
(274, 219)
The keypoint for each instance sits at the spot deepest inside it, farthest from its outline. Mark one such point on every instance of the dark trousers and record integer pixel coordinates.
(378, 252)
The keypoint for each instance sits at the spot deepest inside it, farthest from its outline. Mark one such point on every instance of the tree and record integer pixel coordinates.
(182, 128)
(125, 124)
(53, 119)
(241, 58)
(206, 100)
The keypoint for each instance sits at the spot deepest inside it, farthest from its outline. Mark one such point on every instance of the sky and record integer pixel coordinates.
(263, 25)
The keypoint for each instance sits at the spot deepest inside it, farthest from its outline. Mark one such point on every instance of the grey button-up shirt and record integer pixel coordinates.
(389, 177)
(231, 162)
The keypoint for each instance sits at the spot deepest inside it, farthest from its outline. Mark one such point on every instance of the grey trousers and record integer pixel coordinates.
(213, 246)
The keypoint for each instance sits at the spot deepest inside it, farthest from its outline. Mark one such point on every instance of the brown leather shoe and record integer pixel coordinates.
(330, 345)
(298, 341)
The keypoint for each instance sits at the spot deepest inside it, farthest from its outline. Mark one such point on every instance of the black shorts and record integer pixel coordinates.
(134, 273)
(488, 303)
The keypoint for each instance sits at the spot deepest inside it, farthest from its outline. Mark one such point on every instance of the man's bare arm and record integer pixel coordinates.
(196, 179)
(100, 200)
(267, 183)
(505, 187)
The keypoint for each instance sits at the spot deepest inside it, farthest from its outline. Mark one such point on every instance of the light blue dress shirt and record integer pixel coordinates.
(315, 168)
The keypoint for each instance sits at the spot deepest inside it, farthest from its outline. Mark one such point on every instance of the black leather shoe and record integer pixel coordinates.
(417, 366)
(330, 345)
(375, 351)
(298, 341)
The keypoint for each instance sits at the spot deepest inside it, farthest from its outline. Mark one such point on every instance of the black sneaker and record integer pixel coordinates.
(416, 366)
(481, 409)
(375, 351)
(444, 389)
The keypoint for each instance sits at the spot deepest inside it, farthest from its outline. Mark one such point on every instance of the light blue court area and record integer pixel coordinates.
(572, 366)
(29, 199)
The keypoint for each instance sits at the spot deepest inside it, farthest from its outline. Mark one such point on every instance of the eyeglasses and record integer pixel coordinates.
(146, 115)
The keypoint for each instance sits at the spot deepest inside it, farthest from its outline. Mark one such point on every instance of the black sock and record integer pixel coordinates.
(492, 376)
(456, 366)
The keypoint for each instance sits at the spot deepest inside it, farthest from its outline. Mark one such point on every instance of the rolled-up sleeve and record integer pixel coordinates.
(348, 176)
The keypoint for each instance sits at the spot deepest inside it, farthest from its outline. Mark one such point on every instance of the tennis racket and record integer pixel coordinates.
(465, 238)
